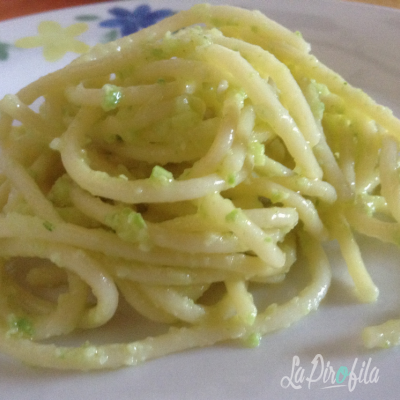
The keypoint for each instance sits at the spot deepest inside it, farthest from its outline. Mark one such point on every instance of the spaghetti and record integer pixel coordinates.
(177, 171)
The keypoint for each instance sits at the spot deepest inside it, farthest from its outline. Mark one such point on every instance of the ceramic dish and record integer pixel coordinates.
(361, 43)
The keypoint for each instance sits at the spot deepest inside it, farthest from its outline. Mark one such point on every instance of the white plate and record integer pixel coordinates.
(360, 42)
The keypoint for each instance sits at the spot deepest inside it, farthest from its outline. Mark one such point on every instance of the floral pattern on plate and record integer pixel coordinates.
(4, 47)
(129, 22)
(56, 40)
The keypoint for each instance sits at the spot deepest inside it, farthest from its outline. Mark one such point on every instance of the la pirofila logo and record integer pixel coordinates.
(323, 375)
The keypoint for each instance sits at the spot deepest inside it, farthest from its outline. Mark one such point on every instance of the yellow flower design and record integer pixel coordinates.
(56, 40)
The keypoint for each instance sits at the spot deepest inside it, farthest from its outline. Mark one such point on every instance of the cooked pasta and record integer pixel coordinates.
(178, 169)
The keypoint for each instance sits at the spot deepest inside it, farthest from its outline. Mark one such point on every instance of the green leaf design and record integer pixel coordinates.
(110, 36)
(4, 47)
(87, 17)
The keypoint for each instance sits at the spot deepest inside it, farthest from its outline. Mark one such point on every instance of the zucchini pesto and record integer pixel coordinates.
(178, 171)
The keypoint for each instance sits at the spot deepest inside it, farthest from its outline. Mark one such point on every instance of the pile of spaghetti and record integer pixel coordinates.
(176, 169)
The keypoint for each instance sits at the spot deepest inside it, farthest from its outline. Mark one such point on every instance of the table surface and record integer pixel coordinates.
(15, 8)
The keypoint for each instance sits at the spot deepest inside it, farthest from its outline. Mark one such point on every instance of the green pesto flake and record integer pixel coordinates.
(21, 327)
(231, 179)
(278, 196)
(137, 220)
(321, 88)
(49, 226)
(112, 96)
(24, 325)
(161, 81)
(161, 176)
(233, 216)
(253, 340)
(128, 224)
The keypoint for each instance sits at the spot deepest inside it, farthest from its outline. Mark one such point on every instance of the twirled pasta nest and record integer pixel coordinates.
(178, 171)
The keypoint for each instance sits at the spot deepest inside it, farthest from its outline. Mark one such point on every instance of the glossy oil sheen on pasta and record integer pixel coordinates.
(178, 171)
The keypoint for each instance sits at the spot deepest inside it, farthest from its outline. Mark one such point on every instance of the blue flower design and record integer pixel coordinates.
(132, 21)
